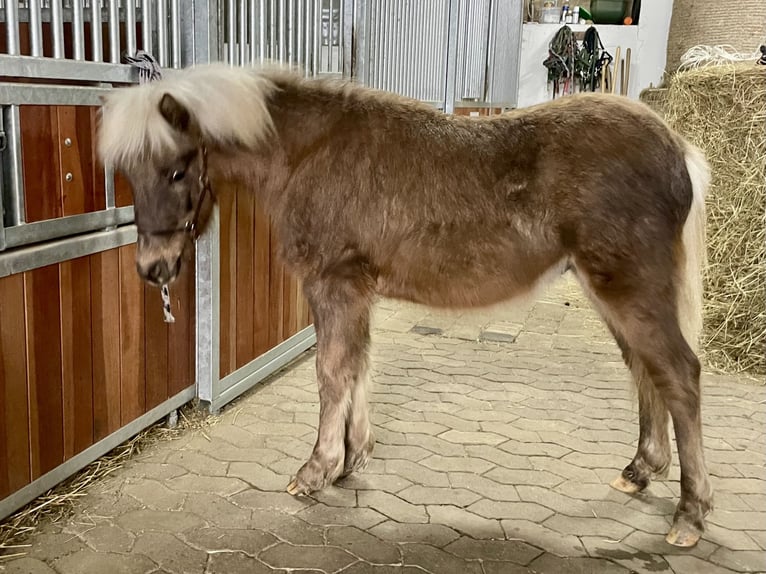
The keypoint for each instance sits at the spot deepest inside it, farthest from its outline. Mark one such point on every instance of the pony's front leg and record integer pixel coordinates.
(341, 318)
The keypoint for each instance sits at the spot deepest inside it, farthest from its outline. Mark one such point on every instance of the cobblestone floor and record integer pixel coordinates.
(498, 434)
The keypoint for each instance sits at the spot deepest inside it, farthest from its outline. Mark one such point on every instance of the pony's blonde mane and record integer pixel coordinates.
(228, 106)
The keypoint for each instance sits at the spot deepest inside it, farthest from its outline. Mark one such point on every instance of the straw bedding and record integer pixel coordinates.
(722, 109)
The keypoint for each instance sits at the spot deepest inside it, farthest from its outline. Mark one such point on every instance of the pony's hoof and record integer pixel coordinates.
(624, 485)
(297, 489)
(358, 460)
(683, 536)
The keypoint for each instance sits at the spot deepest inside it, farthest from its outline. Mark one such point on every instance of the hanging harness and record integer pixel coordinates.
(561, 60)
(591, 59)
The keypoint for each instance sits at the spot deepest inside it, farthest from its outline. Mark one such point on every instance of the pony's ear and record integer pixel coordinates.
(175, 113)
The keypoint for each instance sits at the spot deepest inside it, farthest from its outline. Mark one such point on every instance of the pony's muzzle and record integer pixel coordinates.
(159, 272)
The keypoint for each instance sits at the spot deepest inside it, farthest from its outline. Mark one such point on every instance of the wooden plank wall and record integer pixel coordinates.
(261, 304)
(84, 350)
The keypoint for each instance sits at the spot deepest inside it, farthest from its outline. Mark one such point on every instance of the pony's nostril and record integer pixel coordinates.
(158, 272)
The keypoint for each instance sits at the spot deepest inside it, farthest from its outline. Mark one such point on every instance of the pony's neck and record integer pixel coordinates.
(303, 117)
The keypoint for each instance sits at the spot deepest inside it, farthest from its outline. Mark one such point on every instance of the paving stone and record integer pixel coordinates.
(541, 537)
(435, 560)
(519, 477)
(497, 550)
(90, 562)
(363, 545)
(456, 464)
(436, 445)
(514, 510)
(198, 463)
(759, 537)
(499, 457)
(154, 494)
(416, 473)
(220, 485)
(258, 476)
(393, 506)
(466, 522)
(235, 563)
(364, 568)
(484, 486)
(539, 448)
(167, 521)
(456, 421)
(107, 538)
(740, 560)
(48, 546)
(609, 529)
(287, 556)
(655, 544)
(550, 564)
(738, 520)
(214, 539)
(288, 527)
(429, 495)
(732, 539)
(26, 565)
(373, 481)
(684, 564)
(281, 501)
(217, 510)
(403, 452)
(362, 518)
(433, 534)
(155, 470)
(170, 553)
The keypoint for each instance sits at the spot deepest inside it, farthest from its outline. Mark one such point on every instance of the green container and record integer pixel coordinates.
(607, 11)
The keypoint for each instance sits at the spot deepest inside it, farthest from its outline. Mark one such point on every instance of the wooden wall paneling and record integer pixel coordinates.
(289, 304)
(227, 210)
(276, 294)
(76, 355)
(43, 324)
(245, 277)
(180, 365)
(14, 404)
(302, 307)
(132, 357)
(156, 344)
(40, 159)
(261, 291)
(123, 195)
(105, 297)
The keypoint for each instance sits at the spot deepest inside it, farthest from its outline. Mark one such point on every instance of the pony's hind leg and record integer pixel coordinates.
(645, 316)
(652, 457)
(341, 318)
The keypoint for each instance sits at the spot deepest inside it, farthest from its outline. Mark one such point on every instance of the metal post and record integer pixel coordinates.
(242, 32)
(12, 27)
(78, 38)
(282, 32)
(162, 33)
(206, 31)
(146, 26)
(130, 25)
(97, 46)
(114, 32)
(175, 30)
(57, 23)
(452, 34)
(35, 28)
(17, 206)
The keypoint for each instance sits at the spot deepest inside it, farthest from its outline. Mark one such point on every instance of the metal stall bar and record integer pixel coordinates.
(301, 32)
(308, 27)
(162, 33)
(146, 26)
(130, 24)
(175, 31)
(17, 207)
(97, 47)
(452, 37)
(114, 32)
(262, 31)
(291, 32)
(273, 30)
(78, 37)
(282, 33)
(317, 35)
(12, 27)
(57, 23)
(231, 31)
(35, 28)
(242, 39)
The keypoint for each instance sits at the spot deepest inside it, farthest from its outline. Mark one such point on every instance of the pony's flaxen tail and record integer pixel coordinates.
(694, 248)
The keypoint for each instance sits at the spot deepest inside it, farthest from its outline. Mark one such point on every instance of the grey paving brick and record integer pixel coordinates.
(393, 507)
(544, 538)
(90, 562)
(170, 553)
(496, 550)
(500, 457)
(609, 529)
(759, 537)
(26, 565)
(435, 560)
(363, 545)
(655, 544)
(516, 510)
(107, 538)
(684, 564)
(484, 486)
(235, 563)
(287, 556)
(249, 541)
(198, 463)
(217, 510)
(418, 494)
(258, 476)
(517, 477)
(738, 520)
(288, 527)
(321, 514)
(280, 501)
(416, 473)
(155, 520)
(466, 522)
(433, 534)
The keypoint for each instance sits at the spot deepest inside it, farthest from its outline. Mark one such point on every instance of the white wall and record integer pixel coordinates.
(647, 41)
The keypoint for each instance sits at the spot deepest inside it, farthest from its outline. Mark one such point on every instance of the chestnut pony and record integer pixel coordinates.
(372, 194)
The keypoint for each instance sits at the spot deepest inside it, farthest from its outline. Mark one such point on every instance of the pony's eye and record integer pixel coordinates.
(177, 176)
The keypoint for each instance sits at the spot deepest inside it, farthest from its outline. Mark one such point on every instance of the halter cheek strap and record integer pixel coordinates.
(190, 226)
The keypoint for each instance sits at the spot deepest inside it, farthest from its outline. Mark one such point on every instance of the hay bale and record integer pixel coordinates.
(655, 98)
(722, 109)
(739, 23)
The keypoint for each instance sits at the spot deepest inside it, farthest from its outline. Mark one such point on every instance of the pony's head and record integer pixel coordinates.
(158, 136)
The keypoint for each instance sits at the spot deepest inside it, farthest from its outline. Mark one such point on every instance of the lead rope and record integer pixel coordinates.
(149, 70)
